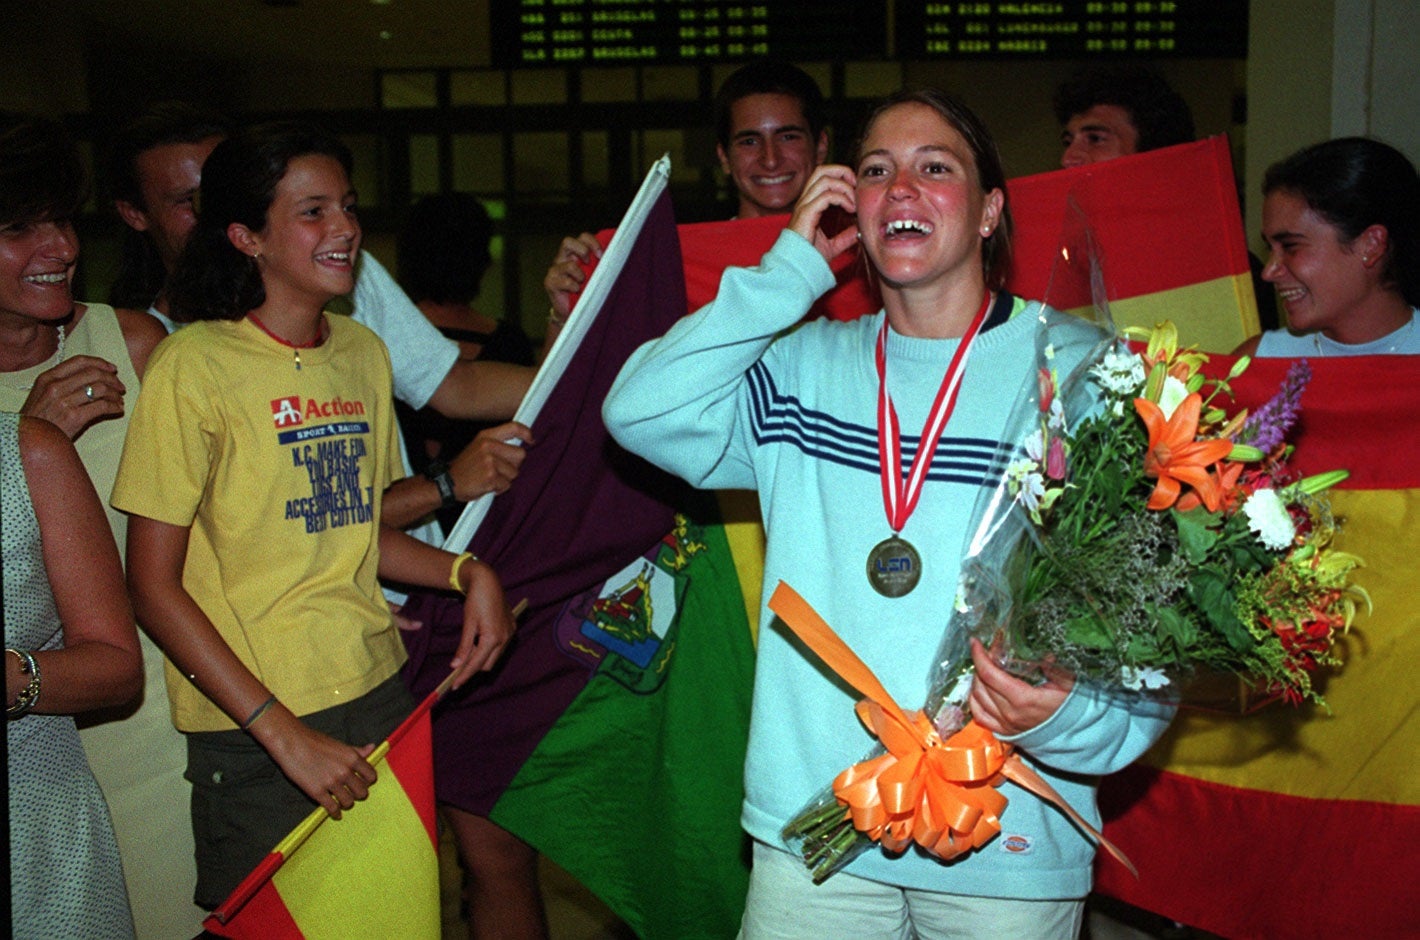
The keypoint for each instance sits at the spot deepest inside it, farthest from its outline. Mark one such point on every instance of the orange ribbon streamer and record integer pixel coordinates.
(940, 794)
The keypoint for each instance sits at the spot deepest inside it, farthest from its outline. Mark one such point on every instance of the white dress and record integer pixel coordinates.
(65, 877)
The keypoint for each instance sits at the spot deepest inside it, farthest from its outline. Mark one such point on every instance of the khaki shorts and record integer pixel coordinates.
(243, 805)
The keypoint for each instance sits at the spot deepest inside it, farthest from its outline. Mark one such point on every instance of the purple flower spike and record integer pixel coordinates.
(1267, 427)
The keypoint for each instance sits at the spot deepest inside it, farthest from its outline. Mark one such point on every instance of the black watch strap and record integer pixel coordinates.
(438, 472)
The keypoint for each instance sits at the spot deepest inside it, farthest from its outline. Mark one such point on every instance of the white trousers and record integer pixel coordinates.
(785, 904)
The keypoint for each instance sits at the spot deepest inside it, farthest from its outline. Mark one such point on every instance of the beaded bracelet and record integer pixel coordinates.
(29, 695)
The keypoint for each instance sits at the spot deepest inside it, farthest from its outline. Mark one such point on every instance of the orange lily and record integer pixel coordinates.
(1225, 477)
(1176, 457)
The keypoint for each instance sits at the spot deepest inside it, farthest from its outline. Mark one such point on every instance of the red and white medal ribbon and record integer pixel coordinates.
(899, 495)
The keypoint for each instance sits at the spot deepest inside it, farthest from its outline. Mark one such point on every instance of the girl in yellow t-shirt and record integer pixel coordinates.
(256, 456)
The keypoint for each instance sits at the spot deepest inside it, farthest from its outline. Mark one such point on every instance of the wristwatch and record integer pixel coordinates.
(438, 471)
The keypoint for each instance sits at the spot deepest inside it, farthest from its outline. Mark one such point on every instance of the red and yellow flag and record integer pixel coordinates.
(373, 873)
(1295, 822)
(1166, 230)
(1164, 227)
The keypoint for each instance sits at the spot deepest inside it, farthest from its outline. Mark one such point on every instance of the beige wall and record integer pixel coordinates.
(1318, 69)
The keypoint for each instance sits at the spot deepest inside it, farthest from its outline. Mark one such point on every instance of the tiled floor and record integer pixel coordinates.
(574, 913)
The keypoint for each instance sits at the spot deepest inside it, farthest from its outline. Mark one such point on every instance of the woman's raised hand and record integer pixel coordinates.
(830, 187)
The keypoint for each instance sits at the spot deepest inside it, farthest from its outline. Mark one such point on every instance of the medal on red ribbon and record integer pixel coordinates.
(894, 565)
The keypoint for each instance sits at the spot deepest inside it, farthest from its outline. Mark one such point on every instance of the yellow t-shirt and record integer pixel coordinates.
(277, 470)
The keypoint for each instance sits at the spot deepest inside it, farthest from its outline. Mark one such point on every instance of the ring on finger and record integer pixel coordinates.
(89, 392)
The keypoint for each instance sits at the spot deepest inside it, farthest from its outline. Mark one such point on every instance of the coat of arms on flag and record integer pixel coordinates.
(627, 626)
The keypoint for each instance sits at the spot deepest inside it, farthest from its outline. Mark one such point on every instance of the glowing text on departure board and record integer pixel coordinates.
(625, 32)
(1071, 29)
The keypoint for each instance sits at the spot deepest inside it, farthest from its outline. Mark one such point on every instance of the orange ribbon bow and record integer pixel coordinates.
(940, 794)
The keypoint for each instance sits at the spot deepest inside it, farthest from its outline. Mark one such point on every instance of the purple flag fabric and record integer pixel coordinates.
(579, 511)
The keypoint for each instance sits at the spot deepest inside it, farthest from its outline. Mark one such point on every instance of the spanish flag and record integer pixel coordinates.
(1158, 235)
(1299, 822)
(372, 873)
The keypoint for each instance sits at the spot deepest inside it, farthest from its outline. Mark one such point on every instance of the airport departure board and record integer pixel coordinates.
(635, 32)
(1072, 29)
(628, 32)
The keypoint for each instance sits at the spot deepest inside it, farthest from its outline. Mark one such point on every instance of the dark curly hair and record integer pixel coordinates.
(1158, 113)
(212, 279)
(442, 248)
(1354, 183)
(42, 177)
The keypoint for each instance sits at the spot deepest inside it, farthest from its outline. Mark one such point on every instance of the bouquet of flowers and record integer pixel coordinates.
(1140, 534)
(1168, 536)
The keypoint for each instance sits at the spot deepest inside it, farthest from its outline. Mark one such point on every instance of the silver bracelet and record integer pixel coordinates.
(29, 695)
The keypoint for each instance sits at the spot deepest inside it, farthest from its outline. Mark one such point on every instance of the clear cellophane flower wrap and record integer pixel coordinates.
(1139, 537)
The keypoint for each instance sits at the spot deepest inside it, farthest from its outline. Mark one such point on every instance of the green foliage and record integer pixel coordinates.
(1197, 533)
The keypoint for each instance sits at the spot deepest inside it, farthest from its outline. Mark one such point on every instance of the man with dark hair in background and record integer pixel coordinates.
(155, 164)
(1108, 111)
(1112, 111)
(770, 133)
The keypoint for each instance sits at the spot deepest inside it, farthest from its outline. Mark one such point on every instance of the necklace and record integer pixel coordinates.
(295, 347)
(894, 565)
(57, 356)
(1395, 338)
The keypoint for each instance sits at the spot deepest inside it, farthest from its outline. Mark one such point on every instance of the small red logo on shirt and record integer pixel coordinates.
(1016, 844)
(287, 411)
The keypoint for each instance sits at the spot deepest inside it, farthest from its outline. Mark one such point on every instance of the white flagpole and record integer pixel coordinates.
(565, 347)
